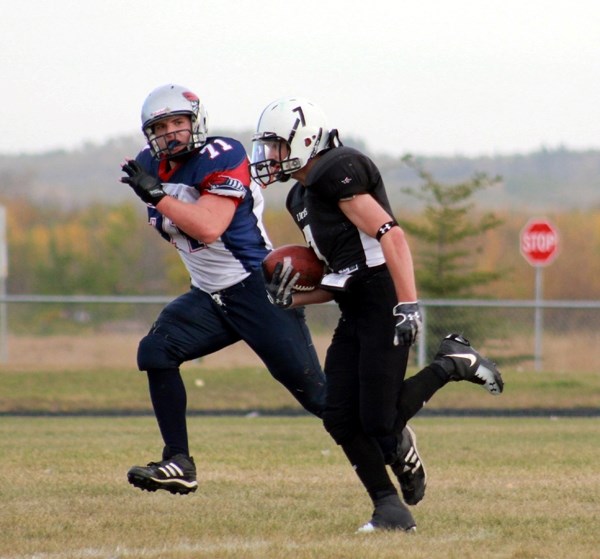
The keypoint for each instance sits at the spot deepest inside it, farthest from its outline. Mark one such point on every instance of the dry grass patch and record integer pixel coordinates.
(277, 487)
(579, 351)
(253, 388)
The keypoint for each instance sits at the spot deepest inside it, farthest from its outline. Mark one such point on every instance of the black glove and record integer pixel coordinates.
(409, 323)
(147, 187)
(279, 289)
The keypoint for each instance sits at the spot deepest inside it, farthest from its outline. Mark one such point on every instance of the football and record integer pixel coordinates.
(303, 260)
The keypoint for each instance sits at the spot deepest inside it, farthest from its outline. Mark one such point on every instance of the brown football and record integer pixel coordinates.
(303, 260)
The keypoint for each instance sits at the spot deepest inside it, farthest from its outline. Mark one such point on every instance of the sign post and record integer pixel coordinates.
(539, 246)
(3, 276)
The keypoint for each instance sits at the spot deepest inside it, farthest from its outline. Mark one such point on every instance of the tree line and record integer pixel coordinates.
(105, 249)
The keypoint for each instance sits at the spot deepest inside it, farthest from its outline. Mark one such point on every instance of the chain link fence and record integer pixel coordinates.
(50, 331)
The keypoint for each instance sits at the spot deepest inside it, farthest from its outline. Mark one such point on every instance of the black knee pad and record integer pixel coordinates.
(154, 353)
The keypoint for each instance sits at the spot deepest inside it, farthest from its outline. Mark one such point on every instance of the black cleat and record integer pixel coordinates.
(461, 362)
(176, 475)
(390, 514)
(409, 468)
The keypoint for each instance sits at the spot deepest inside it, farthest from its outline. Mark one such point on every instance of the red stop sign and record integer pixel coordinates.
(539, 242)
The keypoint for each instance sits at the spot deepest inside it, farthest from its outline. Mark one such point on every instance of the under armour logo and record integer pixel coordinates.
(347, 180)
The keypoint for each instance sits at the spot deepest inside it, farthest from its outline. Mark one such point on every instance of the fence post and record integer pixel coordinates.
(538, 319)
(3, 276)
(422, 344)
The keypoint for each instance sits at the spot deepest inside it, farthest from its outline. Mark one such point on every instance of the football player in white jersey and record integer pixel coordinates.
(201, 199)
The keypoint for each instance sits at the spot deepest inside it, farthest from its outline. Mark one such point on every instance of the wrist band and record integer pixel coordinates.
(386, 227)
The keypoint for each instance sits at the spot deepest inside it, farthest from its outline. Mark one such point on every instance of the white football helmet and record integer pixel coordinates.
(290, 132)
(169, 100)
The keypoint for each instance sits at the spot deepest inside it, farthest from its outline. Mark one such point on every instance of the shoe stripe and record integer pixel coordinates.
(171, 470)
(178, 471)
(413, 448)
(175, 481)
(412, 467)
(411, 459)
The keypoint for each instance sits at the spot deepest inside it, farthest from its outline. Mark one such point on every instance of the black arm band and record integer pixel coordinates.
(384, 229)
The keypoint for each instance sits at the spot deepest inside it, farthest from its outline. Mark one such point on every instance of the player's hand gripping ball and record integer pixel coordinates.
(303, 260)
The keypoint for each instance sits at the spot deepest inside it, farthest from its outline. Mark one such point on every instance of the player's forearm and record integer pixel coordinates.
(193, 219)
(400, 264)
(314, 297)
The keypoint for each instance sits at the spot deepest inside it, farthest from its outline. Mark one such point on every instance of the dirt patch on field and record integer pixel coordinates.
(111, 351)
(118, 350)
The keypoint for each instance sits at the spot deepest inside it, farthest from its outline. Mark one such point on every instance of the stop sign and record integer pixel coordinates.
(539, 242)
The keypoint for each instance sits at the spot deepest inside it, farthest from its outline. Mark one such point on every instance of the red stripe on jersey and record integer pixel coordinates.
(241, 173)
(164, 173)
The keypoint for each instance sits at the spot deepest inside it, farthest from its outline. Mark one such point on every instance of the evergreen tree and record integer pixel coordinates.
(449, 236)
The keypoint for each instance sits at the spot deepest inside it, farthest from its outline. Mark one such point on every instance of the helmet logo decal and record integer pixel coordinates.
(300, 117)
(300, 120)
(193, 99)
(190, 96)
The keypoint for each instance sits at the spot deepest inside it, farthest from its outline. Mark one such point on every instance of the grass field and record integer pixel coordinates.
(278, 487)
(252, 388)
(273, 488)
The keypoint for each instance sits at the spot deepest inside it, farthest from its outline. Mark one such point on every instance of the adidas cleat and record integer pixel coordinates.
(461, 362)
(409, 468)
(390, 514)
(176, 475)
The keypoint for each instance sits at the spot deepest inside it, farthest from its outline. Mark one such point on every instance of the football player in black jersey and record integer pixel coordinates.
(340, 204)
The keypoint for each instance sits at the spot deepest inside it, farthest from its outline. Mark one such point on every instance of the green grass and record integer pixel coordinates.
(272, 488)
(252, 388)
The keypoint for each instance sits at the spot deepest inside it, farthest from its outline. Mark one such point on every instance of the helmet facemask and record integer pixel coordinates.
(271, 161)
(162, 147)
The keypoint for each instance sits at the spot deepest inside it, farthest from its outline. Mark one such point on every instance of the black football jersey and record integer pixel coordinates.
(339, 173)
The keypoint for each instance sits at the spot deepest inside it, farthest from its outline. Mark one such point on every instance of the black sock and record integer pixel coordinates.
(169, 400)
(367, 459)
(418, 390)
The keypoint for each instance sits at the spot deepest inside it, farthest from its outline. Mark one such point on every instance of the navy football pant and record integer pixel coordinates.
(196, 324)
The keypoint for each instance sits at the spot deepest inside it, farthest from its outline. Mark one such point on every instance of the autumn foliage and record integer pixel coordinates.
(110, 249)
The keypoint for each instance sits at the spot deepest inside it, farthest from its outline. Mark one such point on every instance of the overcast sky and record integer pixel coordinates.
(433, 77)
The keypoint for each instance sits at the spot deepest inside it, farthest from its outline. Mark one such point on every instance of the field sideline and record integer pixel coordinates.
(278, 487)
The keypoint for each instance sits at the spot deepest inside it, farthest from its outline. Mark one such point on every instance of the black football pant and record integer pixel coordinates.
(368, 401)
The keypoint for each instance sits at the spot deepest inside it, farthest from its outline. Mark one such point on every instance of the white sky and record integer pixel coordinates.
(433, 77)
